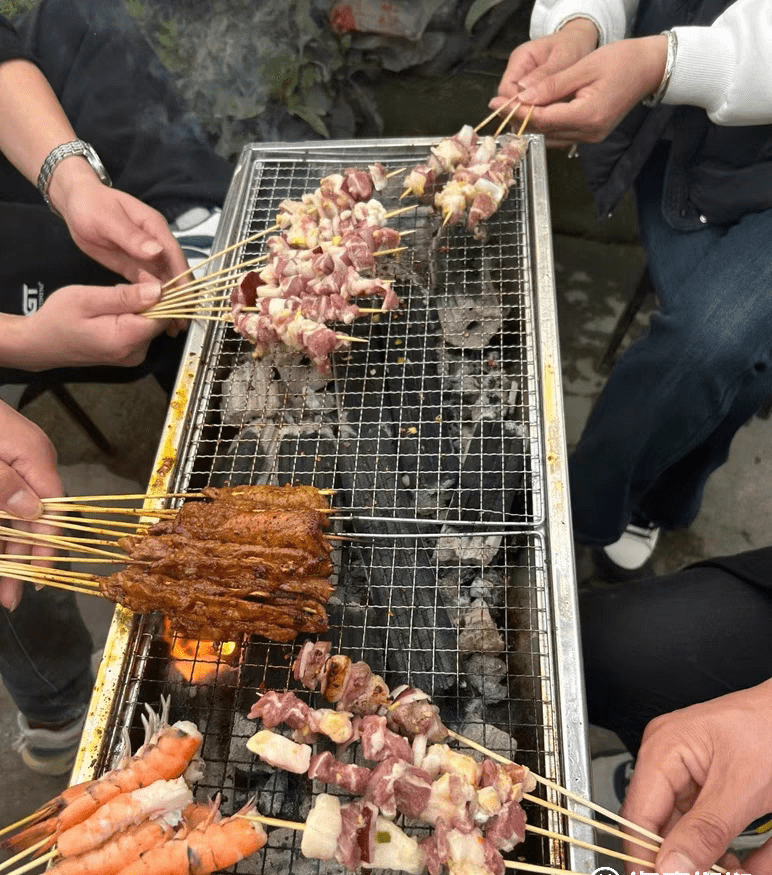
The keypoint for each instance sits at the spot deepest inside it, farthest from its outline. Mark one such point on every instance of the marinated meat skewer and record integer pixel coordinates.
(253, 560)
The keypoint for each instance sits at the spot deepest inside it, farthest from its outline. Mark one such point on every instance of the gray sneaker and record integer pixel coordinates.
(49, 751)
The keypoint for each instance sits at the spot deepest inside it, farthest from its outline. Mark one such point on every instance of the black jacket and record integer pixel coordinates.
(714, 171)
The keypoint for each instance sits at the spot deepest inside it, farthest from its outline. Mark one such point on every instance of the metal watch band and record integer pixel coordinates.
(66, 150)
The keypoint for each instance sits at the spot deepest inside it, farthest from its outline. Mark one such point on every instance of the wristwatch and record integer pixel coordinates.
(76, 147)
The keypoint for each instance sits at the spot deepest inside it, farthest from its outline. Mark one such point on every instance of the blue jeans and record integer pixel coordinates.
(45, 656)
(676, 398)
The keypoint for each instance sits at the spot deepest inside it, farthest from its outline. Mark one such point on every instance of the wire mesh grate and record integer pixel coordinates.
(435, 450)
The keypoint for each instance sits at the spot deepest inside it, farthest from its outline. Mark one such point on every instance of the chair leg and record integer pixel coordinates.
(64, 395)
(625, 320)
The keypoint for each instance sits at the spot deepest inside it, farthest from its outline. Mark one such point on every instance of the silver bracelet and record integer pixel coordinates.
(672, 49)
(75, 147)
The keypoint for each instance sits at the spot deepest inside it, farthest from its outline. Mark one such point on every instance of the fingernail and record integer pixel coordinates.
(149, 293)
(675, 861)
(151, 248)
(24, 504)
(527, 96)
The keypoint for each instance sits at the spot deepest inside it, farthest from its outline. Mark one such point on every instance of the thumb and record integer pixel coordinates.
(120, 299)
(140, 245)
(699, 838)
(17, 498)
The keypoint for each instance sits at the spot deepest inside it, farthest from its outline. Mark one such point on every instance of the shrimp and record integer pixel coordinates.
(123, 811)
(167, 753)
(117, 853)
(205, 849)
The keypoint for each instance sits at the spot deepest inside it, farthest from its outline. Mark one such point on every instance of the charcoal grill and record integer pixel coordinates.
(450, 469)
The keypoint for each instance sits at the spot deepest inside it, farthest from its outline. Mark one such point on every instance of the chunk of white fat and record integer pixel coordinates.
(393, 849)
(281, 752)
(323, 826)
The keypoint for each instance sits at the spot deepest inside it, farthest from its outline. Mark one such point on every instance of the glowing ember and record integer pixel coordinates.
(201, 662)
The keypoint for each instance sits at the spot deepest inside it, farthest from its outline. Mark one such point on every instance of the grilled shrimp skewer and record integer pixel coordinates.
(167, 753)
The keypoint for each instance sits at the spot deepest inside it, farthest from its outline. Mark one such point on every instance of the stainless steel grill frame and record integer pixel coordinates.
(544, 711)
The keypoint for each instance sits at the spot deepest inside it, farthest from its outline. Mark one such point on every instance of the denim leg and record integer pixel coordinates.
(674, 401)
(45, 656)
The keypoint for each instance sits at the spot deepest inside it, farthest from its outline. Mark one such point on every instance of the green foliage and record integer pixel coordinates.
(169, 47)
(10, 8)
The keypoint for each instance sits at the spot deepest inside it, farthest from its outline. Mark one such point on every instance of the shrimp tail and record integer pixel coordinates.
(31, 835)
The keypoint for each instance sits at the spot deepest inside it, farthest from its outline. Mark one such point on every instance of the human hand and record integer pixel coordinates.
(90, 325)
(533, 61)
(586, 100)
(27, 474)
(702, 775)
(114, 228)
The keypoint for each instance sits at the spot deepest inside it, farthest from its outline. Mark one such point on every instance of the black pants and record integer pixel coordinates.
(119, 98)
(661, 644)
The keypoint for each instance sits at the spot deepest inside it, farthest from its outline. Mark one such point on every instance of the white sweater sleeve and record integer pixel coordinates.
(727, 68)
(612, 17)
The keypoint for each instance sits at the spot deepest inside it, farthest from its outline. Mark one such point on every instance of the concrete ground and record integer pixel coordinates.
(597, 266)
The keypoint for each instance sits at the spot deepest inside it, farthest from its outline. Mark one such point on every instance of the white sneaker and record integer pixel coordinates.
(49, 751)
(195, 230)
(611, 774)
(634, 549)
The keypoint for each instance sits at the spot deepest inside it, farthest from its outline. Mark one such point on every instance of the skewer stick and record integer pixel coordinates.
(495, 112)
(532, 867)
(390, 251)
(396, 172)
(22, 854)
(56, 585)
(349, 339)
(65, 522)
(222, 252)
(209, 279)
(28, 867)
(87, 524)
(19, 823)
(188, 316)
(508, 119)
(63, 573)
(38, 539)
(394, 213)
(571, 795)
(590, 847)
(117, 511)
(84, 499)
(112, 560)
(524, 125)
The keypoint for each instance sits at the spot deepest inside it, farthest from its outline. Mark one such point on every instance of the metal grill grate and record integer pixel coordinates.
(439, 458)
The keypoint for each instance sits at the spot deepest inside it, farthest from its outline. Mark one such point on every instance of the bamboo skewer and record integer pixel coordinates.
(507, 119)
(28, 867)
(570, 794)
(511, 864)
(587, 845)
(19, 823)
(243, 242)
(39, 539)
(524, 125)
(489, 118)
(22, 854)
(399, 212)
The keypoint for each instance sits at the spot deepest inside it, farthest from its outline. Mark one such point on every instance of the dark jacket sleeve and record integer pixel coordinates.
(11, 46)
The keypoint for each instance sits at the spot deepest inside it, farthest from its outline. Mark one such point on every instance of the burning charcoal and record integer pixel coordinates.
(422, 642)
(270, 800)
(250, 457)
(488, 586)
(250, 392)
(307, 455)
(487, 675)
(479, 633)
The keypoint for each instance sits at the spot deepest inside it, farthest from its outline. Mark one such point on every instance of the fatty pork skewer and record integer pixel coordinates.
(410, 708)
